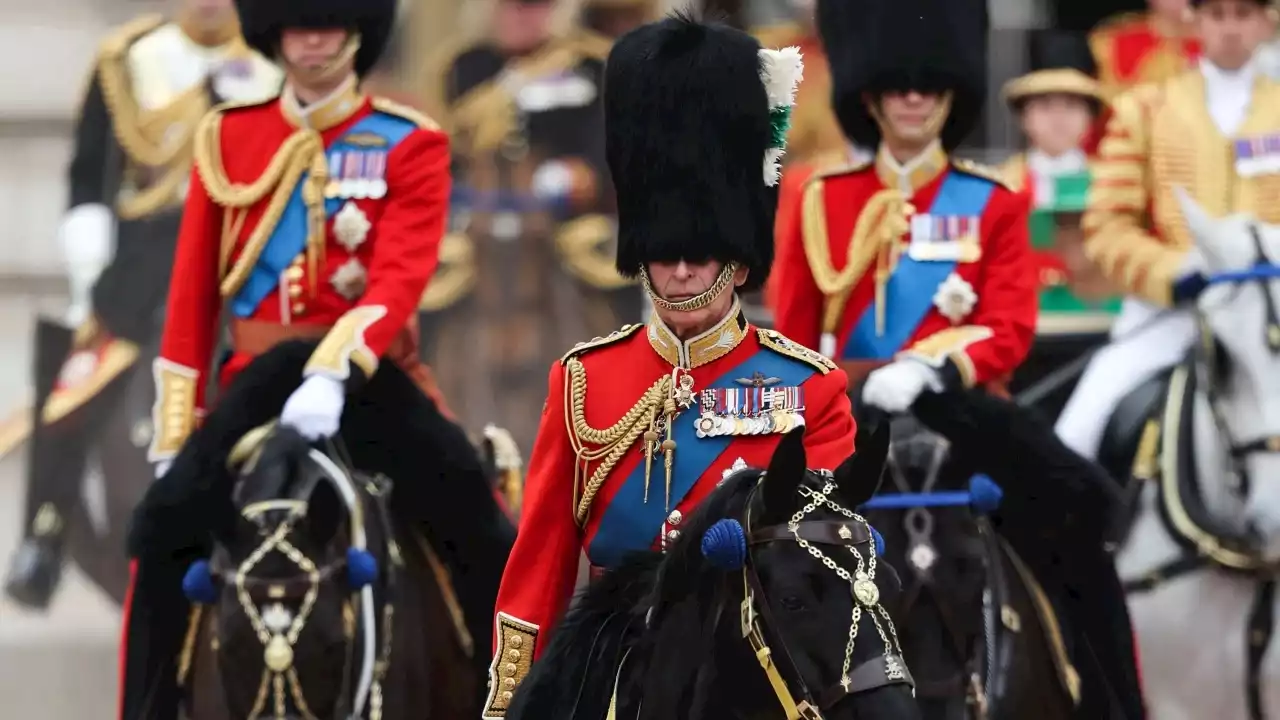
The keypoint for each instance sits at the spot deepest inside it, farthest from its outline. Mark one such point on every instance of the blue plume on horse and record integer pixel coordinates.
(878, 539)
(198, 584)
(724, 545)
(984, 494)
(362, 568)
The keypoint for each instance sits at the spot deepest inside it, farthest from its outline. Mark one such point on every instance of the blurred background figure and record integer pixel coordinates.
(153, 80)
(1148, 46)
(527, 267)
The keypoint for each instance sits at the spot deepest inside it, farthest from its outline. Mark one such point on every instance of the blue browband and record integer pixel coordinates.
(983, 496)
(1261, 271)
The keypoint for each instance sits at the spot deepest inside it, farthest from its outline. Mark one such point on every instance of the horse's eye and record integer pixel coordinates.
(791, 603)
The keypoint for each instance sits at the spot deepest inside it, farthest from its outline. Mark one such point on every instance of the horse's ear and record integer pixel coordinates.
(324, 513)
(786, 470)
(858, 477)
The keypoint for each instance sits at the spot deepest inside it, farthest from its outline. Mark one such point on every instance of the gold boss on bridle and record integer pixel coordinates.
(278, 629)
(866, 597)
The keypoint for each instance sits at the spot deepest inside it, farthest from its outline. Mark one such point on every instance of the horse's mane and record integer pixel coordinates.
(689, 604)
(677, 592)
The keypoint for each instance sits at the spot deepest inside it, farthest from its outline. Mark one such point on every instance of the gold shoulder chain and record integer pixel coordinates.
(611, 443)
(883, 219)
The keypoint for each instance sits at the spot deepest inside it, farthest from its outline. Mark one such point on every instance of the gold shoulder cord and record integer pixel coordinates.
(882, 221)
(131, 125)
(647, 418)
(302, 152)
(113, 77)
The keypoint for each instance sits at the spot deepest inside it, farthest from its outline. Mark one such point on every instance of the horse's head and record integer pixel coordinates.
(1240, 358)
(780, 580)
(291, 580)
(819, 586)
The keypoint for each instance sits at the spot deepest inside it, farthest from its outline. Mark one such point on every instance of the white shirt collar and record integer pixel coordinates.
(1227, 94)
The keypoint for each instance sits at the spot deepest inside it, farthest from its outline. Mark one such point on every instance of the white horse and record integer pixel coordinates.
(1192, 626)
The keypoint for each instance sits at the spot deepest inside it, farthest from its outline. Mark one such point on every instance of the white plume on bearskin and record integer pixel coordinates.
(781, 72)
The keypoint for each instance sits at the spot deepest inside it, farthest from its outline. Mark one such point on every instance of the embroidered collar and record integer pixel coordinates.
(914, 174)
(325, 113)
(706, 347)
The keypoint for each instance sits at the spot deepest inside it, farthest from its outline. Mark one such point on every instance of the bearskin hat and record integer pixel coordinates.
(687, 128)
(875, 46)
(262, 22)
(1061, 62)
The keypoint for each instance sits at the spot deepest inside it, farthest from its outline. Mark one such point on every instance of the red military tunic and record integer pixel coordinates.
(952, 267)
(330, 232)
(571, 507)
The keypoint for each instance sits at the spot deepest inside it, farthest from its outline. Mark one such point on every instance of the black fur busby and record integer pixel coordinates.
(875, 46)
(687, 127)
(262, 22)
(1061, 62)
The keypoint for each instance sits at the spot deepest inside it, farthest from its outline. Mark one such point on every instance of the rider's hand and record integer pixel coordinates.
(162, 468)
(315, 408)
(894, 387)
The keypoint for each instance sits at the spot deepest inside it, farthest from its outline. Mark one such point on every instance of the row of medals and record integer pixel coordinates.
(359, 189)
(765, 422)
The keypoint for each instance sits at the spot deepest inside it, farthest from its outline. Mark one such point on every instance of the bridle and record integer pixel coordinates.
(1208, 357)
(278, 629)
(757, 618)
(922, 557)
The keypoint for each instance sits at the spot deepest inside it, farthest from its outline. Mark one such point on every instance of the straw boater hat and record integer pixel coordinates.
(1061, 64)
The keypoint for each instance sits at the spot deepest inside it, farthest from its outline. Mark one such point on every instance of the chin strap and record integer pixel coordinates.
(337, 65)
(723, 281)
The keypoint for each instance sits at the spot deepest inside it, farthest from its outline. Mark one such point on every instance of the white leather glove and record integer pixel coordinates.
(315, 408)
(162, 468)
(86, 236)
(894, 387)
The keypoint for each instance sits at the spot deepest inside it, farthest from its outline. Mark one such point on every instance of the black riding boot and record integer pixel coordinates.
(56, 460)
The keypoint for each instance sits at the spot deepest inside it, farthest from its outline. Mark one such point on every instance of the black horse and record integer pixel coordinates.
(1011, 606)
(306, 576)
(773, 570)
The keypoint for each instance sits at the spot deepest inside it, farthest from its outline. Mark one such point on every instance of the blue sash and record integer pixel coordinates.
(629, 524)
(909, 292)
(290, 235)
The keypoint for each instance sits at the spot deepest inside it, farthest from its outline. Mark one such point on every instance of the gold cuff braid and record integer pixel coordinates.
(517, 643)
(174, 414)
(344, 345)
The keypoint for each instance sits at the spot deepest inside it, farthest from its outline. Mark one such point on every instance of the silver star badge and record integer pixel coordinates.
(351, 226)
(350, 279)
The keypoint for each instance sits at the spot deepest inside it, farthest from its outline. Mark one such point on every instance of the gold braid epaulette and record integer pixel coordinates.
(986, 172)
(302, 152)
(622, 333)
(400, 110)
(784, 345)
